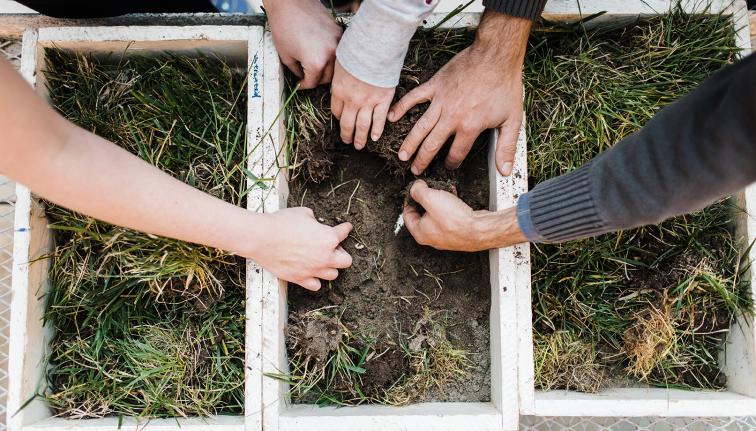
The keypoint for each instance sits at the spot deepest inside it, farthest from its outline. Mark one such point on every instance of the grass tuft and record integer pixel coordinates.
(564, 361)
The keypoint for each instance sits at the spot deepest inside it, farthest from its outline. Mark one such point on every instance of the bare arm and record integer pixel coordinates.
(81, 171)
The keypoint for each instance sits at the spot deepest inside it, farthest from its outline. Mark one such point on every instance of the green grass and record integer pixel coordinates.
(144, 325)
(585, 91)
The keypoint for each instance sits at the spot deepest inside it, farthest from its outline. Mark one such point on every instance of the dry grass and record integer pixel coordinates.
(638, 297)
(565, 361)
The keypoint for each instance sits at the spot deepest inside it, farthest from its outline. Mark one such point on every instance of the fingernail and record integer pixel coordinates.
(391, 115)
(415, 170)
(403, 156)
(375, 138)
(506, 167)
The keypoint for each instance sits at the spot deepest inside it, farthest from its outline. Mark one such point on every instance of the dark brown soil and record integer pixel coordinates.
(446, 185)
(393, 280)
(392, 277)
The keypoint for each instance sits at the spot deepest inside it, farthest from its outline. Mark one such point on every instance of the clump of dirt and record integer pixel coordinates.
(314, 334)
(445, 185)
(382, 372)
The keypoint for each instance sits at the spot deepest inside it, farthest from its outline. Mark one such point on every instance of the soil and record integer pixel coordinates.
(446, 185)
(393, 281)
(393, 278)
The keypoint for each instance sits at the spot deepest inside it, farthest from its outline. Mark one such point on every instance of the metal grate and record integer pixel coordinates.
(533, 423)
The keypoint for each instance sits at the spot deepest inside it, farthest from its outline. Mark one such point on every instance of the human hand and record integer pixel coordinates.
(306, 36)
(357, 105)
(479, 89)
(450, 224)
(301, 250)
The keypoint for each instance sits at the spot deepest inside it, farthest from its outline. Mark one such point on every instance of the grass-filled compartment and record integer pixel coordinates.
(649, 306)
(142, 325)
(406, 323)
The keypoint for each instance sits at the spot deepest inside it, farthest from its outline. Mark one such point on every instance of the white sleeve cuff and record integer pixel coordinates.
(374, 45)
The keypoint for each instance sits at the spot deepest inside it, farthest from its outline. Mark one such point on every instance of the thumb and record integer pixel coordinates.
(506, 146)
(343, 230)
(411, 219)
(420, 192)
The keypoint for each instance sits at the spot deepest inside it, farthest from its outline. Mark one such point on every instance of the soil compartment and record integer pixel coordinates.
(413, 321)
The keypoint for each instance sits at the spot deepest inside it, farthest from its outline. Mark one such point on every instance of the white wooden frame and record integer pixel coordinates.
(509, 267)
(739, 358)
(32, 239)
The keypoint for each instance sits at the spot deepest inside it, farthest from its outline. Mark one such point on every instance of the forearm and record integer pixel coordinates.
(78, 170)
(92, 176)
(695, 151)
(496, 229)
(501, 40)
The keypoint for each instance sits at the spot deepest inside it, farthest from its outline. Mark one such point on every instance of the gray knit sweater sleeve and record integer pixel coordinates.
(528, 9)
(695, 151)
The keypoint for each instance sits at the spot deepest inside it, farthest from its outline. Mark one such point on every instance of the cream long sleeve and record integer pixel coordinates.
(374, 45)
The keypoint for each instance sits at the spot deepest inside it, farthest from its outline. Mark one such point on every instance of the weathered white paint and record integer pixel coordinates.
(28, 339)
(10, 6)
(509, 268)
(739, 357)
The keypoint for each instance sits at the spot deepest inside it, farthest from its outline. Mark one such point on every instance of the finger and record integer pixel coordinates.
(337, 106)
(293, 65)
(348, 118)
(343, 230)
(419, 192)
(327, 73)
(379, 121)
(362, 127)
(419, 94)
(307, 211)
(506, 145)
(341, 259)
(460, 148)
(312, 75)
(328, 274)
(419, 131)
(412, 221)
(310, 284)
(430, 147)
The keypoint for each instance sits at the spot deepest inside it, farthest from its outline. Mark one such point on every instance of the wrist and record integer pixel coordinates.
(497, 229)
(250, 234)
(502, 38)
